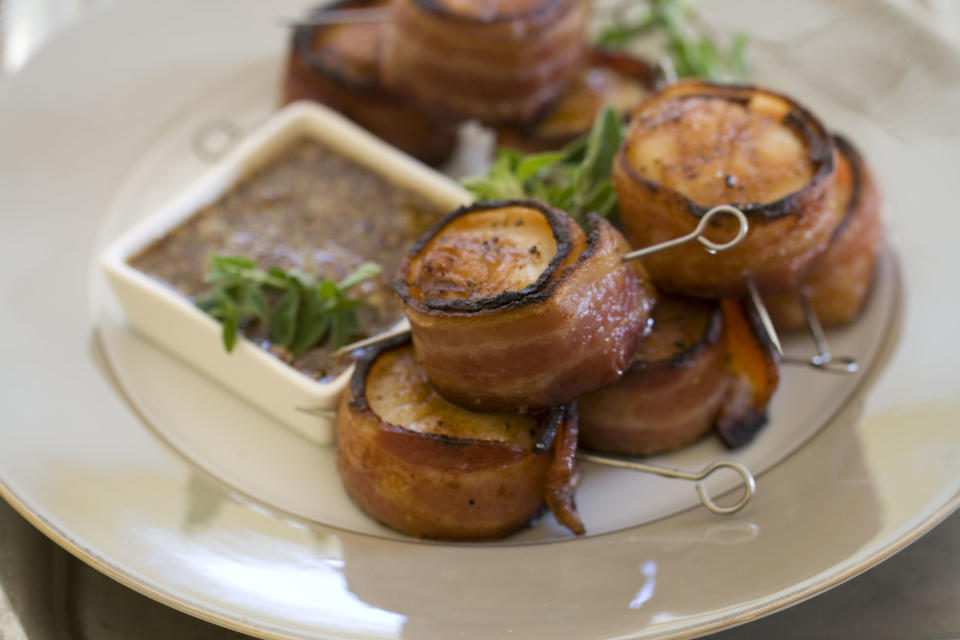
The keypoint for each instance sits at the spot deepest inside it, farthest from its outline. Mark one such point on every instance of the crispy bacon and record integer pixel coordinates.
(671, 394)
(428, 468)
(609, 80)
(841, 278)
(340, 66)
(697, 145)
(512, 307)
(497, 61)
(690, 374)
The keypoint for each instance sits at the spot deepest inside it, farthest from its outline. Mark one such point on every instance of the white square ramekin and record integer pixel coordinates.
(173, 322)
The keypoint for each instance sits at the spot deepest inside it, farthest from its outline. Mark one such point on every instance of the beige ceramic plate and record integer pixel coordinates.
(102, 121)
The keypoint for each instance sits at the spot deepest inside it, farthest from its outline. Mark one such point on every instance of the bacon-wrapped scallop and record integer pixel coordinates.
(513, 307)
(840, 280)
(610, 79)
(495, 61)
(340, 65)
(686, 378)
(428, 468)
(696, 145)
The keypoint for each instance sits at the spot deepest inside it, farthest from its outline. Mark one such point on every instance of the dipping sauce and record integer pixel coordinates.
(311, 209)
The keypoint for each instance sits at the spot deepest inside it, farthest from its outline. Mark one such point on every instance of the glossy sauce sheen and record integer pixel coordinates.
(310, 209)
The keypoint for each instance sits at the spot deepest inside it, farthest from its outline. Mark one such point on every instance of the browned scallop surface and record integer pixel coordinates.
(841, 278)
(696, 145)
(441, 471)
(398, 392)
(483, 255)
(715, 151)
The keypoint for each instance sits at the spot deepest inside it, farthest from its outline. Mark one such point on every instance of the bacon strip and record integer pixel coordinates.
(501, 61)
(690, 375)
(572, 328)
(671, 394)
(841, 278)
(340, 66)
(428, 468)
(696, 145)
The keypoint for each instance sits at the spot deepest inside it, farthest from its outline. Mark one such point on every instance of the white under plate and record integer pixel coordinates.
(164, 481)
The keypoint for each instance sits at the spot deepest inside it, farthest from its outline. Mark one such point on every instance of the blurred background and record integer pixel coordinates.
(45, 594)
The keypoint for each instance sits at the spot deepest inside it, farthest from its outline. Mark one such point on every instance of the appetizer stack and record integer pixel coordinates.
(530, 332)
(523, 67)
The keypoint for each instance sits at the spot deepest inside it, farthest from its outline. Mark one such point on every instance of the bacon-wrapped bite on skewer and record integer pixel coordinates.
(340, 65)
(609, 80)
(683, 378)
(841, 278)
(696, 145)
(495, 61)
(513, 307)
(428, 468)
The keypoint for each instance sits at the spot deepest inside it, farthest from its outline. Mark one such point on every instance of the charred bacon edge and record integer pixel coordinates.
(684, 358)
(537, 291)
(857, 180)
(303, 39)
(527, 136)
(542, 11)
(819, 143)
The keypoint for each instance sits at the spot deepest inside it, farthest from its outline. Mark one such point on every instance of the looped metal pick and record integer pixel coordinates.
(698, 235)
(823, 360)
(749, 484)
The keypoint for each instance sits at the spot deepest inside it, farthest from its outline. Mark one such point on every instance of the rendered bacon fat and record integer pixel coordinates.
(610, 80)
(513, 307)
(496, 60)
(340, 65)
(695, 146)
(428, 468)
(841, 278)
(686, 378)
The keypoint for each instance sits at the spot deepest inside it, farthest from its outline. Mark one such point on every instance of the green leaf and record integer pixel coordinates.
(297, 308)
(229, 333)
(312, 323)
(344, 325)
(283, 317)
(365, 271)
(603, 143)
(531, 164)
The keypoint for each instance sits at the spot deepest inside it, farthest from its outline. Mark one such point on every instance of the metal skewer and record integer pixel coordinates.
(764, 315)
(749, 484)
(824, 360)
(341, 16)
(698, 235)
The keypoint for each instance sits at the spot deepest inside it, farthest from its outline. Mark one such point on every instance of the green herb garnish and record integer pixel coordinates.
(575, 180)
(298, 309)
(693, 53)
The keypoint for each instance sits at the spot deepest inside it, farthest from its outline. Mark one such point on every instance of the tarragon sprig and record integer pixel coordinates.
(575, 179)
(693, 53)
(298, 309)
